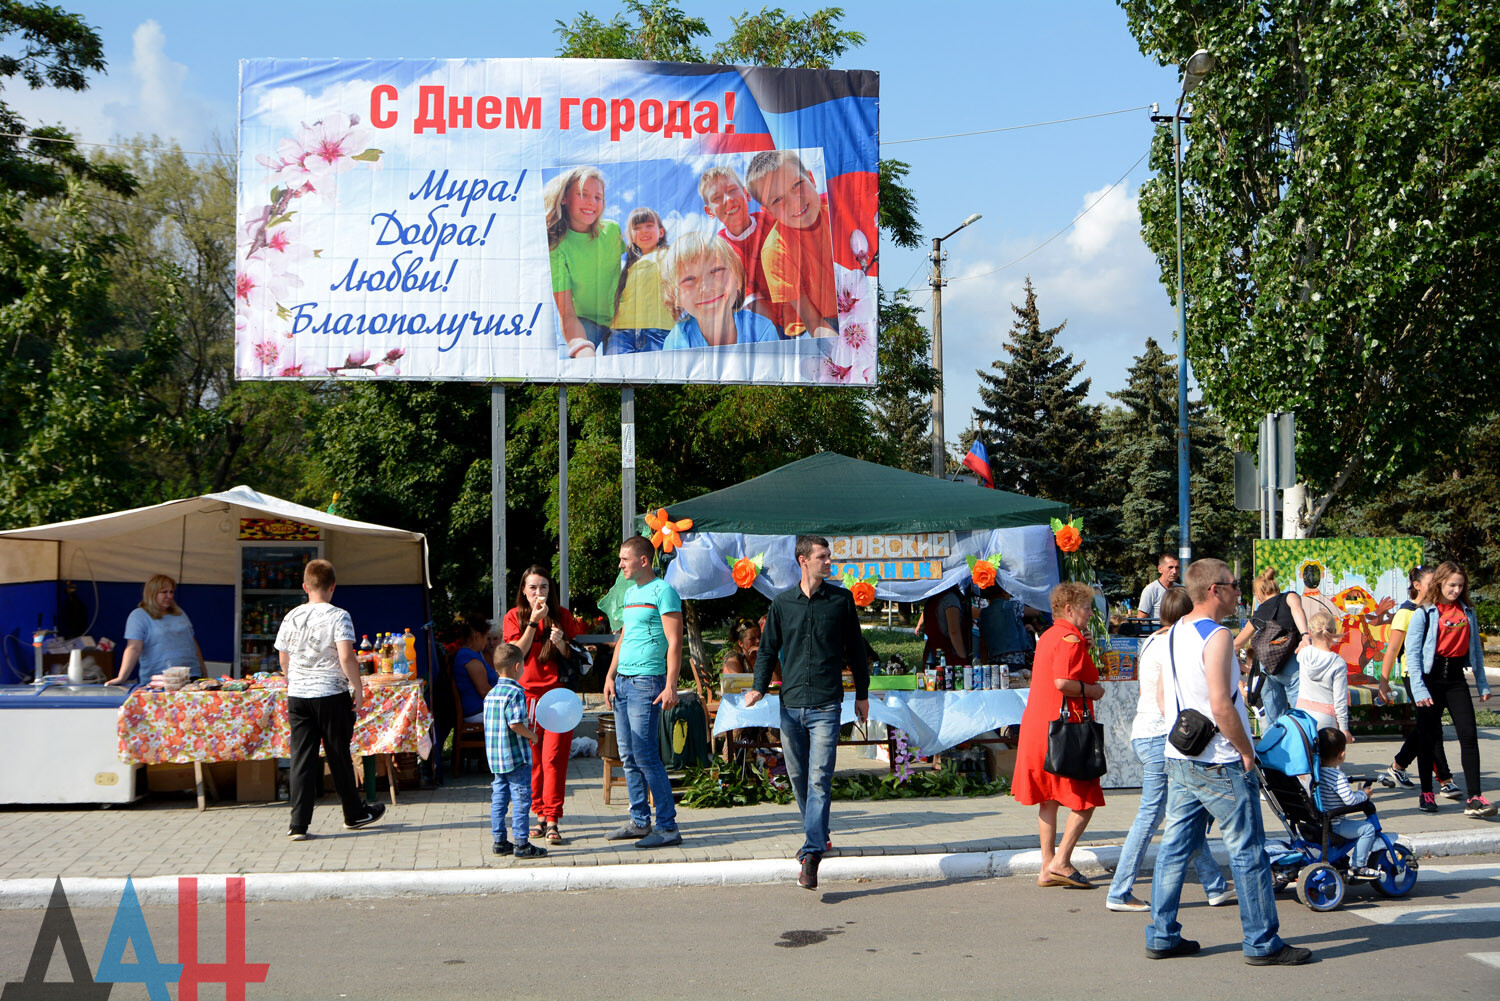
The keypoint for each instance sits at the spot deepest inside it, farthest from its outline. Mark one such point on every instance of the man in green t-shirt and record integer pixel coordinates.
(642, 682)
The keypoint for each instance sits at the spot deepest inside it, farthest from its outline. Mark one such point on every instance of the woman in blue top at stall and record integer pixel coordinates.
(471, 667)
(158, 635)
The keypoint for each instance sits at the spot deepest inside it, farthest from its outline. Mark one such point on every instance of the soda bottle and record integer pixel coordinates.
(411, 651)
(366, 652)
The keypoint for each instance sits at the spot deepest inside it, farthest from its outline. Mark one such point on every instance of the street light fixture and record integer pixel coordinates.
(1199, 65)
(939, 449)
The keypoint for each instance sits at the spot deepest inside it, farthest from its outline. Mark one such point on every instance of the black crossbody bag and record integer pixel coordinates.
(1191, 730)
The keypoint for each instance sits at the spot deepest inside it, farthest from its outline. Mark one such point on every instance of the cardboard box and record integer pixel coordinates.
(57, 663)
(1000, 759)
(255, 781)
(177, 778)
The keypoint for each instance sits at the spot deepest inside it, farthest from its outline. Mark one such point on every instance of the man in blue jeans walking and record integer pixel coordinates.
(812, 633)
(1218, 783)
(642, 681)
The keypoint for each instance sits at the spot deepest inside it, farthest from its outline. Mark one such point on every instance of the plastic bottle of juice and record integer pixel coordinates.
(411, 651)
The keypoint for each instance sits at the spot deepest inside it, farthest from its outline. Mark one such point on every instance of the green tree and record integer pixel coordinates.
(1454, 507)
(181, 222)
(901, 405)
(73, 414)
(1043, 438)
(1140, 482)
(1341, 199)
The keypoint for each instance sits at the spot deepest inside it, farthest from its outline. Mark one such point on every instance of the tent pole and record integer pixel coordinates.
(562, 494)
(497, 503)
(627, 462)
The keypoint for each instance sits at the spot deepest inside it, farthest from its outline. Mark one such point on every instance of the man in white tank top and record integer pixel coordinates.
(1219, 784)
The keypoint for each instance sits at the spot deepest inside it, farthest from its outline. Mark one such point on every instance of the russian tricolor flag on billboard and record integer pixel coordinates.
(978, 462)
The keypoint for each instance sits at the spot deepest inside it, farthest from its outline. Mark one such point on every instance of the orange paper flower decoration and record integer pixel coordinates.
(666, 534)
(1069, 539)
(743, 572)
(984, 573)
(863, 593)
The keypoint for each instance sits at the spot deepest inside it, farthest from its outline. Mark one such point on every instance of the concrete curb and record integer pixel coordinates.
(86, 891)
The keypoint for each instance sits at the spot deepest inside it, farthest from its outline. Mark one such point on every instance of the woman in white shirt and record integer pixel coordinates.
(1323, 682)
(1148, 736)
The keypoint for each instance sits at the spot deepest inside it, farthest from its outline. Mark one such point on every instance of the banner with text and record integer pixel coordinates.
(556, 220)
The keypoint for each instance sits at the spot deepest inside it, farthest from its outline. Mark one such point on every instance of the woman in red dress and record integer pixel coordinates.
(1063, 670)
(542, 629)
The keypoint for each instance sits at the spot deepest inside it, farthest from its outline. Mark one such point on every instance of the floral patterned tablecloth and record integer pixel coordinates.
(182, 727)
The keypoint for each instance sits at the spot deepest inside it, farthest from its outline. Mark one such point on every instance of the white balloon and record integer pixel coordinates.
(559, 710)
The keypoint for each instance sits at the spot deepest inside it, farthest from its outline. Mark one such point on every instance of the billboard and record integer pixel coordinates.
(556, 220)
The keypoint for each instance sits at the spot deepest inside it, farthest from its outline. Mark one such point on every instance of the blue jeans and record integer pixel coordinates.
(1151, 751)
(630, 341)
(637, 717)
(1361, 832)
(1196, 795)
(1280, 690)
(596, 333)
(511, 789)
(810, 740)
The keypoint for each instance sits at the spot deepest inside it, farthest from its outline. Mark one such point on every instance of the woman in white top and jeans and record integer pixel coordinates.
(1148, 735)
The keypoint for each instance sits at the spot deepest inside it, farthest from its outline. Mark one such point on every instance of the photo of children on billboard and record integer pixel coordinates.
(568, 220)
(726, 250)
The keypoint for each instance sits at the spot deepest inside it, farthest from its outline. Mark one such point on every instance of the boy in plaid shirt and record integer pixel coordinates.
(509, 755)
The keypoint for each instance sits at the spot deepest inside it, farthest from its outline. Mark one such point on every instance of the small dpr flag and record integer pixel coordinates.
(978, 462)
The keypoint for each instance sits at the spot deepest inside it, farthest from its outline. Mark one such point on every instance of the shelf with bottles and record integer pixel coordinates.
(276, 569)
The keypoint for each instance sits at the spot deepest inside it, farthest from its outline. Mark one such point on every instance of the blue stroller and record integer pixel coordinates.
(1314, 858)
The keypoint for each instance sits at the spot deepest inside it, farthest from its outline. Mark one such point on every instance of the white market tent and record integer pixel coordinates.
(196, 540)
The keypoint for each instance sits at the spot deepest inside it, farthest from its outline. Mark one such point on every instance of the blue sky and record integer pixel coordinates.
(946, 67)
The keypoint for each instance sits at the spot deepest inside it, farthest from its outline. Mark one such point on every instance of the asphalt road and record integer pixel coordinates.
(935, 940)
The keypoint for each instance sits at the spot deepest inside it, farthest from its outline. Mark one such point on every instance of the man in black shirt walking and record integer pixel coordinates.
(812, 633)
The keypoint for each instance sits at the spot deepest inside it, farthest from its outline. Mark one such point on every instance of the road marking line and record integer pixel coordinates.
(1454, 873)
(1429, 914)
(1487, 958)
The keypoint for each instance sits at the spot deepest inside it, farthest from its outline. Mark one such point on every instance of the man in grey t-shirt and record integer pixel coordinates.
(1168, 571)
(323, 697)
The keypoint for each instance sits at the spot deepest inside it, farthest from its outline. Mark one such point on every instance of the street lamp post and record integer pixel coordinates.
(1199, 65)
(939, 449)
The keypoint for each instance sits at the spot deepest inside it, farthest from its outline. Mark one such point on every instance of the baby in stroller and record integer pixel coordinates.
(1333, 832)
(1334, 791)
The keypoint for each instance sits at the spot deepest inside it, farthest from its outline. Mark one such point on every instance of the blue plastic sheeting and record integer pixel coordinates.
(934, 721)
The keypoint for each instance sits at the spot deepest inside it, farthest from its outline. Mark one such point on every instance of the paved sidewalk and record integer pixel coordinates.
(448, 828)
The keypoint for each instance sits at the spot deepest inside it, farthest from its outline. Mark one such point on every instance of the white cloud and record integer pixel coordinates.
(1099, 277)
(152, 97)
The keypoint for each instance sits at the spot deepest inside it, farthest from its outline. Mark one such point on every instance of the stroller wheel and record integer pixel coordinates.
(1398, 871)
(1320, 887)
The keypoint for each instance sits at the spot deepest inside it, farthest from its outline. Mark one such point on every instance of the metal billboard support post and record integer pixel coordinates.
(627, 462)
(562, 494)
(497, 503)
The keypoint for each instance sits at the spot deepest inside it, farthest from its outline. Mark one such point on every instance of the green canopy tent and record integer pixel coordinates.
(832, 494)
(913, 531)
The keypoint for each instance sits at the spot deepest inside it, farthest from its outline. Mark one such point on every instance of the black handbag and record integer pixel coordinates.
(1075, 750)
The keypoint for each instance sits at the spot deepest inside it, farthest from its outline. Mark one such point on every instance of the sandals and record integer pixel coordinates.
(554, 836)
(539, 829)
(1075, 880)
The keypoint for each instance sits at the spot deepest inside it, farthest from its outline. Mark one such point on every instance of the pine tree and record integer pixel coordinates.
(1140, 481)
(1042, 437)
